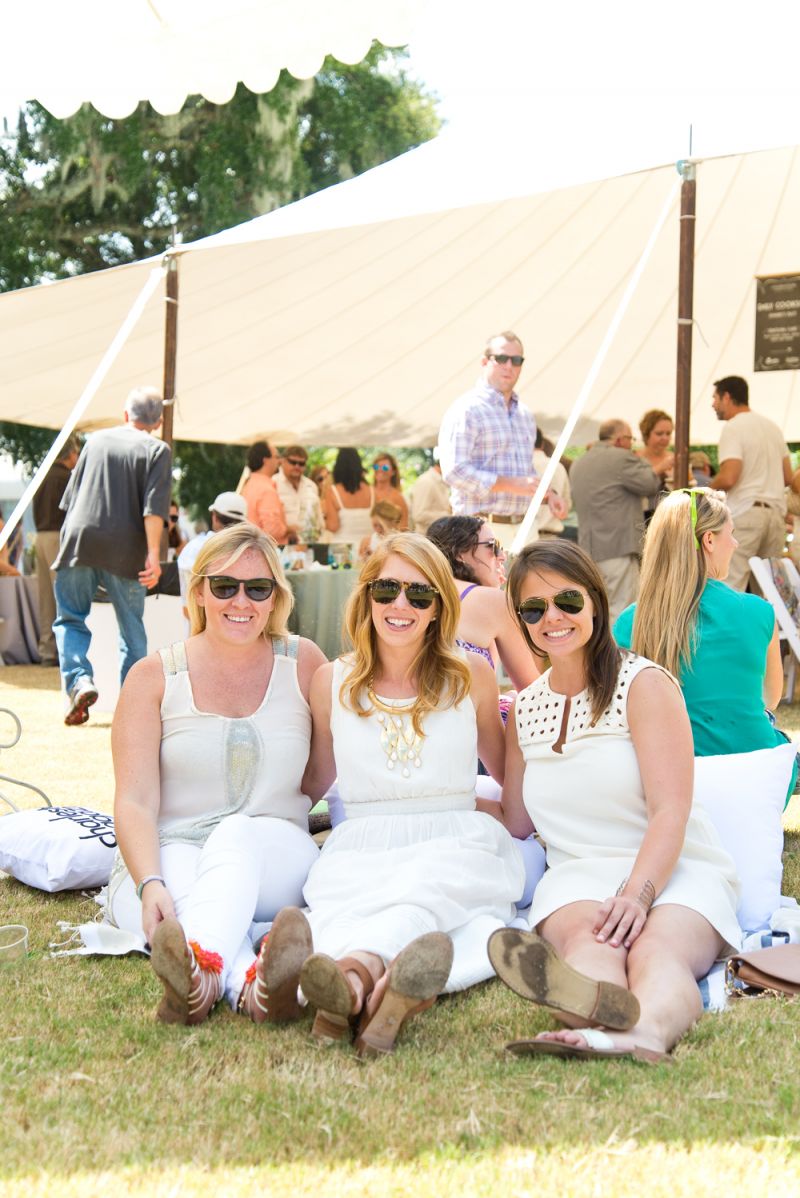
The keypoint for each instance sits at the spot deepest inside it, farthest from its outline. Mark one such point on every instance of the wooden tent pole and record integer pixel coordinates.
(683, 389)
(170, 346)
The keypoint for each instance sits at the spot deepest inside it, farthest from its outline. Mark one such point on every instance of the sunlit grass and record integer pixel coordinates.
(99, 1099)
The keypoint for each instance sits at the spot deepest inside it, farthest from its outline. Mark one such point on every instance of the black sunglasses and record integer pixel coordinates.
(570, 602)
(173, 517)
(222, 586)
(295, 462)
(419, 594)
(501, 359)
(494, 545)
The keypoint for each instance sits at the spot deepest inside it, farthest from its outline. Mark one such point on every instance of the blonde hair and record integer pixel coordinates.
(388, 513)
(674, 573)
(228, 546)
(441, 673)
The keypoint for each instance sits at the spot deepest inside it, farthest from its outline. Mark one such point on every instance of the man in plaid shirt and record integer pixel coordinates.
(486, 444)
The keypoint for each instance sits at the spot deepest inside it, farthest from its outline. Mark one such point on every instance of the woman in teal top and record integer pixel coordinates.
(721, 644)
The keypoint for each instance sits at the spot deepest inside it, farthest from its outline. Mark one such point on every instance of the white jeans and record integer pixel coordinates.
(246, 871)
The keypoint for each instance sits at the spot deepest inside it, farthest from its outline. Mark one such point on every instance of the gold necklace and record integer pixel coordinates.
(401, 743)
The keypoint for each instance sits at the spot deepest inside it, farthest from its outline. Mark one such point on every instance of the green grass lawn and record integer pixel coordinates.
(97, 1098)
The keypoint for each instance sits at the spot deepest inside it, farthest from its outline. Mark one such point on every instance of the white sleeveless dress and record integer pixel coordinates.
(413, 854)
(588, 804)
(355, 523)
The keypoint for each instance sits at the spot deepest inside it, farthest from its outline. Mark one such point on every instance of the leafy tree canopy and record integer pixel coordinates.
(88, 192)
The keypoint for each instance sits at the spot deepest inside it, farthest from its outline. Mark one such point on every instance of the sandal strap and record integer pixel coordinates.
(367, 980)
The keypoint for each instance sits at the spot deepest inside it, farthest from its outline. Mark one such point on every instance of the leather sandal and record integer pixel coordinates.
(190, 976)
(531, 967)
(415, 979)
(326, 986)
(269, 994)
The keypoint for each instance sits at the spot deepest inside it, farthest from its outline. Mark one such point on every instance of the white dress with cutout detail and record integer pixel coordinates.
(583, 790)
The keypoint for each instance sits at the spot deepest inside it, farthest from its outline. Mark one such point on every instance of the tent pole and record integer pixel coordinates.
(170, 346)
(683, 385)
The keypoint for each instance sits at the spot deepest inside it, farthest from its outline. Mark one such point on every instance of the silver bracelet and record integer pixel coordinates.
(144, 881)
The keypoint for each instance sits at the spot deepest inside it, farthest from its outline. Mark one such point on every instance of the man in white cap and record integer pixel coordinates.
(227, 509)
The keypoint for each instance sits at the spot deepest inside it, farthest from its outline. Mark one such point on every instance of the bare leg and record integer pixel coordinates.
(676, 947)
(569, 930)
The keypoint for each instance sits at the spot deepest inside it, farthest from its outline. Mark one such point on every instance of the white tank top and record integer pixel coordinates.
(213, 766)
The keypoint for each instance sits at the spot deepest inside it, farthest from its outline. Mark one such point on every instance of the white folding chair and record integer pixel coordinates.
(780, 585)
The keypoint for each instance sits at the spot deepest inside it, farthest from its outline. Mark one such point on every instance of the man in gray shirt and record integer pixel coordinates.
(116, 504)
(608, 484)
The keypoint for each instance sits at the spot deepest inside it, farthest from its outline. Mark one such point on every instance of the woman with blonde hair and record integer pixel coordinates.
(722, 645)
(385, 517)
(416, 877)
(210, 740)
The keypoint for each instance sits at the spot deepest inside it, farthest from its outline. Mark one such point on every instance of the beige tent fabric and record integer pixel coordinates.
(364, 332)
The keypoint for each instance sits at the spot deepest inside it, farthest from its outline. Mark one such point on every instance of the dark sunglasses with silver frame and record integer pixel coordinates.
(570, 602)
(419, 594)
(501, 359)
(223, 586)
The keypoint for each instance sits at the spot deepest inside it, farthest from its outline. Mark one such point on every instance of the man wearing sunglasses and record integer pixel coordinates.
(299, 496)
(486, 444)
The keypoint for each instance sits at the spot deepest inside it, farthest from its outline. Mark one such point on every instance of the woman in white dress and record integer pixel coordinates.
(210, 740)
(409, 886)
(346, 504)
(639, 898)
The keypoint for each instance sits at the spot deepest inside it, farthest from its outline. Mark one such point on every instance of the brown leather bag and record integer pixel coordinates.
(775, 969)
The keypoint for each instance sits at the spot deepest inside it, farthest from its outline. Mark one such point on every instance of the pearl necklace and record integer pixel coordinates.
(399, 741)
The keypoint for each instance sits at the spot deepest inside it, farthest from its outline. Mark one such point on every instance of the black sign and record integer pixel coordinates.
(778, 323)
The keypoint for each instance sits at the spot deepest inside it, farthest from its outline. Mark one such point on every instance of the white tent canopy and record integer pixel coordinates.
(115, 54)
(337, 320)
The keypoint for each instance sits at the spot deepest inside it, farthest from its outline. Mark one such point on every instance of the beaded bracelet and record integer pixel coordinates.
(144, 881)
(646, 896)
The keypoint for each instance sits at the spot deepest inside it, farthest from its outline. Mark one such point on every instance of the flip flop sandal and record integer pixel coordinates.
(326, 986)
(532, 968)
(269, 994)
(599, 1047)
(415, 979)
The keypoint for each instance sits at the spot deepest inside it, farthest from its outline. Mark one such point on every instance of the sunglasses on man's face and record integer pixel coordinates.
(222, 586)
(570, 602)
(295, 462)
(173, 517)
(419, 594)
(501, 359)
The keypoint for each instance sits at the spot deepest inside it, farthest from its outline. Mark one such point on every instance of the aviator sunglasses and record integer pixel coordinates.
(501, 359)
(419, 594)
(570, 602)
(222, 586)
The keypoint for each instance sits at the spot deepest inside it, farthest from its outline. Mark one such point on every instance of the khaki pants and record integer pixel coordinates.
(46, 554)
(761, 532)
(621, 576)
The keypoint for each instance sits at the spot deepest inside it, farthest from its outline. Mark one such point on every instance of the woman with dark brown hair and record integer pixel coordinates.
(639, 898)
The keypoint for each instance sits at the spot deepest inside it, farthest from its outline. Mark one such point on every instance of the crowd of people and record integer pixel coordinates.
(625, 661)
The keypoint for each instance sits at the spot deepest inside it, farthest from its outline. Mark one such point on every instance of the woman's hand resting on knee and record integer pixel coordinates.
(620, 920)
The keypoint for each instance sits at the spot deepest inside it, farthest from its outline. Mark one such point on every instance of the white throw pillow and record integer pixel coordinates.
(744, 794)
(58, 848)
